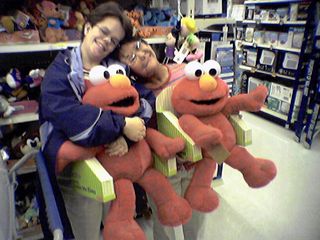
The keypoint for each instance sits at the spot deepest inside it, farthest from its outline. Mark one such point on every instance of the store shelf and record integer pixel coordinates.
(252, 69)
(21, 118)
(28, 167)
(203, 23)
(156, 40)
(31, 233)
(38, 47)
(29, 113)
(227, 75)
(274, 113)
(280, 22)
(268, 46)
(257, 2)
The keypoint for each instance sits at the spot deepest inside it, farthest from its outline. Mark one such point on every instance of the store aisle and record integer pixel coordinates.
(286, 209)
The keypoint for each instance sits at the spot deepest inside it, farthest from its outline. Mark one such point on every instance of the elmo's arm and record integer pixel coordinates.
(251, 102)
(202, 134)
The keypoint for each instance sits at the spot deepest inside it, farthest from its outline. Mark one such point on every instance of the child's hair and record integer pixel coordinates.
(110, 9)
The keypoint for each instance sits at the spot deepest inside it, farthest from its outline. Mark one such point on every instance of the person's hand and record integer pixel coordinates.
(134, 129)
(117, 148)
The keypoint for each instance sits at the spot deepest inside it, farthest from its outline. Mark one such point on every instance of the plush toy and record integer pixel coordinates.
(28, 141)
(185, 41)
(86, 6)
(7, 23)
(53, 32)
(116, 93)
(170, 48)
(12, 86)
(35, 77)
(201, 99)
(5, 108)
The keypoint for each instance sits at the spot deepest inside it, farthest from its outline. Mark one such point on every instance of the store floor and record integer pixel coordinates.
(286, 209)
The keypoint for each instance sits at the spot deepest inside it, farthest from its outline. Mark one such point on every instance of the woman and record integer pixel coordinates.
(63, 116)
(146, 68)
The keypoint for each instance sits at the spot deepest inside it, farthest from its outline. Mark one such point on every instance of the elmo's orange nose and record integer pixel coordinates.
(120, 81)
(207, 83)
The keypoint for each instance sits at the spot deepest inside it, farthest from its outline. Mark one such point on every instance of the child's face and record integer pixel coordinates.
(140, 57)
(101, 39)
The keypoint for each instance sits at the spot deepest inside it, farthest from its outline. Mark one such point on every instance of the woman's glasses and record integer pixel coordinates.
(106, 33)
(133, 57)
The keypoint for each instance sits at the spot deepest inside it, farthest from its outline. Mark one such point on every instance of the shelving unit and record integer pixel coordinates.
(272, 42)
(307, 125)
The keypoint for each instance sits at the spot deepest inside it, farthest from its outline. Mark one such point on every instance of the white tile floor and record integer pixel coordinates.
(286, 209)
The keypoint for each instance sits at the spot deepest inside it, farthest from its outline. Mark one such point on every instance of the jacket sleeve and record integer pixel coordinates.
(83, 124)
(147, 102)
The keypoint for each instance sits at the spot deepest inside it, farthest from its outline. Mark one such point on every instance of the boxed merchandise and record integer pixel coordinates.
(267, 60)
(205, 7)
(250, 12)
(257, 13)
(293, 14)
(272, 16)
(288, 64)
(283, 13)
(280, 97)
(224, 56)
(271, 38)
(88, 178)
(239, 33)
(168, 124)
(303, 9)
(249, 34)
(253, 83)
(238, 12)
(166, 167)
(258, 37)
(250, 57)
(297, 38)
(243, 131)
(284, 40)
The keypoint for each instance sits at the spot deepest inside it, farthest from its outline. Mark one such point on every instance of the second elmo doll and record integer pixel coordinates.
(204, 106)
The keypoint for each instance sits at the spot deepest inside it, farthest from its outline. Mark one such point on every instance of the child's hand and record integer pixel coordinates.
(117, 148)
(134, 129)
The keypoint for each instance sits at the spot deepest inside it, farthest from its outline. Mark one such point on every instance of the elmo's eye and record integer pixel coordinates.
(193, 70)
(212, 67)
(98, 75)
(116, 69)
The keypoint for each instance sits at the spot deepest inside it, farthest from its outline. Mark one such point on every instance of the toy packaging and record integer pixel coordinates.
(90, 179)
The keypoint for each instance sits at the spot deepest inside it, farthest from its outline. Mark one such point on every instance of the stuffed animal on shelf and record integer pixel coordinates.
(202, 101)
(116, 93)
(186, 41)
(12, 87)
(170, 48)
(28, 141)
(53, 32)
(35, 77)
(5, 108)
(7, 23)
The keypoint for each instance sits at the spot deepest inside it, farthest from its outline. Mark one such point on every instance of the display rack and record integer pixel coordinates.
(272, 41)
(307, 125)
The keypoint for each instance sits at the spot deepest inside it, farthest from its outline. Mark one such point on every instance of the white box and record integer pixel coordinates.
(281, 92)
(203, 7)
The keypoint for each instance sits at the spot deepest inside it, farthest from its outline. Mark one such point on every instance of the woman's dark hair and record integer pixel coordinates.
(111, 9)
